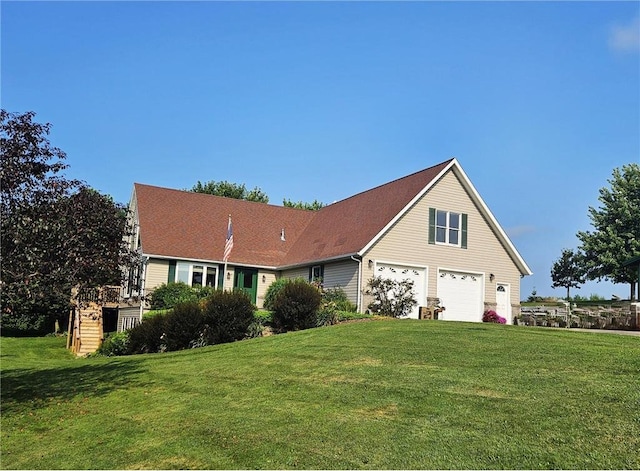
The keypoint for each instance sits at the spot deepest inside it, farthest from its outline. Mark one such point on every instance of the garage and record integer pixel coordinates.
(461, 294)
(398, 272)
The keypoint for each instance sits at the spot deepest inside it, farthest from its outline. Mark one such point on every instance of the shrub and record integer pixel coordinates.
(273, 290)
(168, 295)
(296, 305)
(150, 314)
(344, 316)
(492, 316)
(115, 344)
(255, 329)
(148, 336)
(227, 316)
(183, 326)
(262, 317)
(338, 296)
(390, 297)
(327, 314)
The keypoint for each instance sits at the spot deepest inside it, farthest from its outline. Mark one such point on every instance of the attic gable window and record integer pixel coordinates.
(447, 228)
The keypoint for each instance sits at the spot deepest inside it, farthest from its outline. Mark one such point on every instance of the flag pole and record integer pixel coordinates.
(227, 250)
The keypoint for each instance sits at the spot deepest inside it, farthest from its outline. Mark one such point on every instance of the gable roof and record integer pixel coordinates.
(348, 226)
(186, 225)
(183, 224)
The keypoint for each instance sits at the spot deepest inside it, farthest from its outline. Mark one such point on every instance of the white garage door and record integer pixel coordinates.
(461, 295)
(401, 273)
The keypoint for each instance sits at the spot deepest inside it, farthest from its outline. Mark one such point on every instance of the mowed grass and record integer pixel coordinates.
(395, 394)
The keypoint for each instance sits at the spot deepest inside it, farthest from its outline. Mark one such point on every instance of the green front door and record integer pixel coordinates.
(246, 279)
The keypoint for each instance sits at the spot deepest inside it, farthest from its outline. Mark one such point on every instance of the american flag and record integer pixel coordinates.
(228, 245)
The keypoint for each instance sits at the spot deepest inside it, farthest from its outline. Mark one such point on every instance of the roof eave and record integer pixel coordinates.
(319, 261)
(211, 262)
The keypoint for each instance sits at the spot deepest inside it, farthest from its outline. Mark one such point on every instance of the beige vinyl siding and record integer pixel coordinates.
(345, 275)
(156, 273)
(407, 241)
(269, 277)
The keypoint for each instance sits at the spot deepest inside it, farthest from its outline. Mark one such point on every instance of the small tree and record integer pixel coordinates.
(390, 297)
(567, 271)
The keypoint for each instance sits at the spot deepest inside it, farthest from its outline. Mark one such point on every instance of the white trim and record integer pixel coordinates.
(447, 228)
(400, 264)
(522, 265)
(320, 261)
(210, 262)
(204, 266)
(475, 196)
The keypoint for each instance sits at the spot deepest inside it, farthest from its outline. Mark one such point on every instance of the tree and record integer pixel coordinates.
(566, 272)
(56, 233)
(314, 206)
(230, 190)
(616, 235)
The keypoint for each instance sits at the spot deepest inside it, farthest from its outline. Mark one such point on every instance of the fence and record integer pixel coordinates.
(604, 315)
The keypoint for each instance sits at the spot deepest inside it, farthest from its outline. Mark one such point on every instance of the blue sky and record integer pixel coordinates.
(539, 101)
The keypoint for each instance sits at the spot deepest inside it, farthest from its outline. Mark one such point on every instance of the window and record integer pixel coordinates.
(194, 275)
(316, 273)
(447, 227)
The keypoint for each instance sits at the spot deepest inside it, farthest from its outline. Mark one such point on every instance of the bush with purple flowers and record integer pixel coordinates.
(493, 316)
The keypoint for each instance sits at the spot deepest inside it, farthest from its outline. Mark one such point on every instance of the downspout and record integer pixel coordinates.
(359, 293)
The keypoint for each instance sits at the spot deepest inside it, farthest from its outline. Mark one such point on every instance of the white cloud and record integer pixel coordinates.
(625, 38)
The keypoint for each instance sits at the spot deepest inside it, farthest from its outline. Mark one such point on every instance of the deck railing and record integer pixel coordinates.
(103, 295)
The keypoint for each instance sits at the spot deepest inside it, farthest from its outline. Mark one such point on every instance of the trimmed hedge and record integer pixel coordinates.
(148, 336)
(183, 326)
(296, 306)
(227, 316)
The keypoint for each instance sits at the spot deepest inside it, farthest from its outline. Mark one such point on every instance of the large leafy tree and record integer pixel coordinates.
(314, 206)
(56, 233)
(230, 190)
(566, 272)
(616, 234)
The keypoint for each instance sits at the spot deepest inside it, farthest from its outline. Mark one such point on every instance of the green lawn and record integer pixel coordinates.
(380, 394)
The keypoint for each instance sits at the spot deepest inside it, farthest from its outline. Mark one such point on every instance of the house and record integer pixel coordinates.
(431, 227)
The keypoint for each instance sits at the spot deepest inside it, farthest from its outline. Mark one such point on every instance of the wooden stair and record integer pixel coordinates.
(90, 331)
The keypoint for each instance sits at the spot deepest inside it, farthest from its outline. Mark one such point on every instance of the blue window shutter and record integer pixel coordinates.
(463, 238)
(172, 271)
(432, 225)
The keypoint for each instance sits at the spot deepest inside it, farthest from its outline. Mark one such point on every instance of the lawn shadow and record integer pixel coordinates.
(37, 388)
